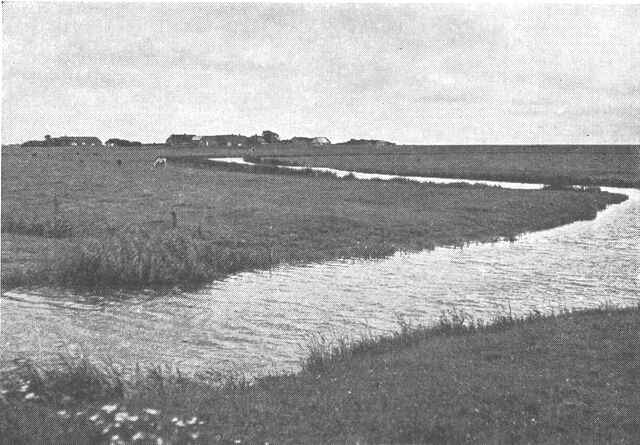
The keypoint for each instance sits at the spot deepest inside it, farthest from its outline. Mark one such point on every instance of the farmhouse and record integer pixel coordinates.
(257, 140)
(225, 140)
(320, 141)
(300, 140)
(181, 140)
(76, 140)
(65, 141)
(374, 142)
(115, 142)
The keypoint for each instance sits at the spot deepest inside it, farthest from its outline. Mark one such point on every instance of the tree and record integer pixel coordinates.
(270, 136)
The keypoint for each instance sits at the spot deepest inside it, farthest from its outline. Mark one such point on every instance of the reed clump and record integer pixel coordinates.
(54, 226)
(138, 256)
(461, 381)
(270, 160)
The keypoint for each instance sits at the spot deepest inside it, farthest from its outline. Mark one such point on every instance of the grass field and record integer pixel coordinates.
(585, 165)
(76, 217)
(569, 378)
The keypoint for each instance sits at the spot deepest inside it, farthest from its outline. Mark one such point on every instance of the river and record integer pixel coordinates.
(262, 322)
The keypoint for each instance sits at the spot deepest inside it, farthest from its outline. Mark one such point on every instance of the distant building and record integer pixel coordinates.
(224, 140)
(300, 140)
(257, 140)
(34, 144)
(114, 142)
(320, 141)
(66, 141)
(375, 142)
(181, 140)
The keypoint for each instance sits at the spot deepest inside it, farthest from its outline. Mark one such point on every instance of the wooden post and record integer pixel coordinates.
(174, 219)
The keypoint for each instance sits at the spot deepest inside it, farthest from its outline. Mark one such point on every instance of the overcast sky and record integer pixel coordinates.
(407, 73)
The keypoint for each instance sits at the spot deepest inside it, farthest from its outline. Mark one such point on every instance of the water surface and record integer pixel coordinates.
(262, 321)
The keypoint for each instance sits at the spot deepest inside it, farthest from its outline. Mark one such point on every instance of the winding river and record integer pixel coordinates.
(262, 322)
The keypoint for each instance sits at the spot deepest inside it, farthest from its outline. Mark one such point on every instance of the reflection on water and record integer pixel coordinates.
(259, 322)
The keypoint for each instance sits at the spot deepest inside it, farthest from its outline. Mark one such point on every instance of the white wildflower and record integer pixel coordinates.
(121, 417)
(153, 412)
(24, 388)
(137, 436)
(192, 421)
(94, 417)
(30, 396)
(110, 408)
(159, 441)
(174, 420)
(62, 413)
(180, 423)
(133, 418)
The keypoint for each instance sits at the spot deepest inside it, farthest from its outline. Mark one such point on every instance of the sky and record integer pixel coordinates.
(415, 74)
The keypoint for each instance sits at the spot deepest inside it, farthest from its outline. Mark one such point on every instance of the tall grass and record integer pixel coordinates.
(453, 322)
(441, 384)
(137, 256)
(55, 226)
(269, 160)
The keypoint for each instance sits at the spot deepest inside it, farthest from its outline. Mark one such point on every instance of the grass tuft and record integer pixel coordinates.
(56, 226)
(137, 256)
(462, 380)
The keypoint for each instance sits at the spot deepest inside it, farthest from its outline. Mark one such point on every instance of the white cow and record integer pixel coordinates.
(160, 162)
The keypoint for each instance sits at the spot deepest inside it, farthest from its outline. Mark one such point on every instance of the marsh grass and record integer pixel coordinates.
(269, 168)
(69, 381)
(140, 256)
(462, 380)
(453, 322)
(52, 226)
(115, 225)
(270, 160)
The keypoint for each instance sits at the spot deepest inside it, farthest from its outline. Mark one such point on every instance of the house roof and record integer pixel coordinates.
(181, 137)
(224, 138)
(80, 139)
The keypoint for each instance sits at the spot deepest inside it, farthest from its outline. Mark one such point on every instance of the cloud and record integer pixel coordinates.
(406, 71)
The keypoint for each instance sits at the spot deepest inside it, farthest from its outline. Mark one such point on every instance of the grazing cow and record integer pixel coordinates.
(160, 162)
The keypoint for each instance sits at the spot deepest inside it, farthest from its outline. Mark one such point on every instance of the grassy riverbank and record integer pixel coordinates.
(85, 219)
(609, 165)
(568, 378)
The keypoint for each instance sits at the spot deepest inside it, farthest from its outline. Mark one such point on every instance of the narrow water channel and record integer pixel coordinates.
(261, 322)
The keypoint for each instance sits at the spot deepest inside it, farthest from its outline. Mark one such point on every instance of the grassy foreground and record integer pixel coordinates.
(81, 218)
(568, 378)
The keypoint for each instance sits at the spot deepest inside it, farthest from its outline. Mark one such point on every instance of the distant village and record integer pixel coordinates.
(196, 141)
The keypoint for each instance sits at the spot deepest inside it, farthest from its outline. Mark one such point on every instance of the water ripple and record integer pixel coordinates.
(262, 321)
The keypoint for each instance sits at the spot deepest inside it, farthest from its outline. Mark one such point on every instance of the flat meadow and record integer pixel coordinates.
(74, 217)
(104, 216)
(613, 165)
